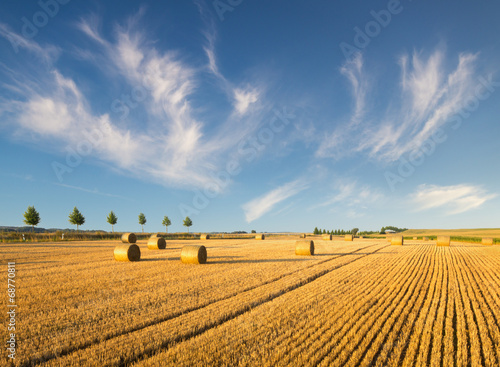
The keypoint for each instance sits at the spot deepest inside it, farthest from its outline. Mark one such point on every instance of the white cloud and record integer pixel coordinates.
(169, 146)
(454, 199)
(244, 98)
(351, 194)
(261, 205)
(430, 94)
(353, 71)
(338, 143)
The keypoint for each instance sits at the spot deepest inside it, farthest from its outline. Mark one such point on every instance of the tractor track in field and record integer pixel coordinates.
(438, 306)
(53, 358)
(407, 285)
(364, 308)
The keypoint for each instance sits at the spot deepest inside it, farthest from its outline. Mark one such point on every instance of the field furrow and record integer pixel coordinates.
(337, 324)
(360, 303)
(352, 346)
(99, 327)
(263, 334)
(130, 346)
(482, 316)
(341, 318)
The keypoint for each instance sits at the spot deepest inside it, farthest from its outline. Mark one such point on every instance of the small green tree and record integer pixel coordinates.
(31, 217)
(166, 222)
(254, 231)
(142, 221)
(354, 231)
(76, 218)
(324, 231)
(112, 219)
(187, 223)
(316, 231)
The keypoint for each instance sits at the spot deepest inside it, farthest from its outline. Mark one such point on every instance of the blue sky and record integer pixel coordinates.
(273, 116)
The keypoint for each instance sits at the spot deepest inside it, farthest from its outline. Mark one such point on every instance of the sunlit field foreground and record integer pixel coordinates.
(255, 303)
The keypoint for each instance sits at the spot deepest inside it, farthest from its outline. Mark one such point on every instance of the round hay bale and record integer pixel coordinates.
(204, 237)
(303, 235)
(129, 238)
(443, 240)
(304, 248)
(157, 243)
(488, 241)
(194, 254)
(425, 238)
(260, 237)
(415, 238)
(130, 252)
(361, 237)
(348, 237)
(397, 241)
(327, 237)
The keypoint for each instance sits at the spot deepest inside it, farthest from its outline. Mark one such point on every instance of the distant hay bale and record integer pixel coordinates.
(194, 254)
(361, 237)
(204, 237)
(157, 243)
(415, 238)
(488, 241)
(349, 237)
(388, 238)
(425, 238)
(443, 240)
(130, 252)
(327, 237)
(303, 235)
(397, 240)
(129, 238)
(260, 237)
(304, 248)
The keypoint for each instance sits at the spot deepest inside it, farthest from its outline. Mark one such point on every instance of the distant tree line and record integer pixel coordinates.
(32, 218)
(338, 232)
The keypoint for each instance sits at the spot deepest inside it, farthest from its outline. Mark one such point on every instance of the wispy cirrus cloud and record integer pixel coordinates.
(171, 145)
(256, 208)
(48, 53)
(351, 197)
(453, 199)
(243, 97)
(430, 93)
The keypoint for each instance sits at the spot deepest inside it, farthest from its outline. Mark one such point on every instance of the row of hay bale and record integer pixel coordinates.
(347, 237)
(306, 247)
(257, 237)
(440, 240)
(129, 251)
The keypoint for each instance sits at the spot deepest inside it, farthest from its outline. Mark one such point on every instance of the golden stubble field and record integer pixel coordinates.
(255, 303)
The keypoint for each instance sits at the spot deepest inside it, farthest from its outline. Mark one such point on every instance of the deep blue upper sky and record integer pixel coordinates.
(281, 115)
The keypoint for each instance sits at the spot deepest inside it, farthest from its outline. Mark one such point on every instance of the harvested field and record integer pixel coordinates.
(255, 303)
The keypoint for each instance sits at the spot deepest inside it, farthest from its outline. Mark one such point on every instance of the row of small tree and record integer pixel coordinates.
(339, 232)
(32, 218)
